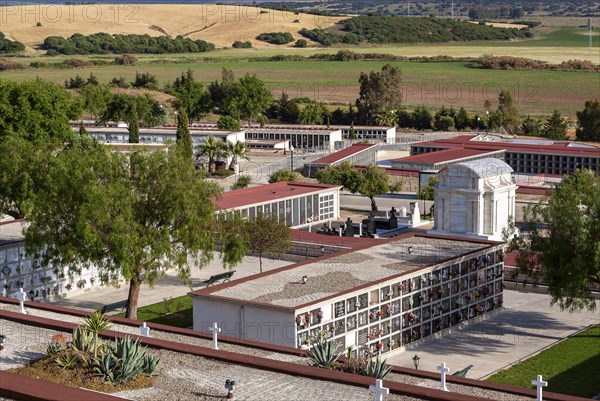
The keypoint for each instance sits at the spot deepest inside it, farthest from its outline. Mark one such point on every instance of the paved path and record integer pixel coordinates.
(170, 286)
(527, 325)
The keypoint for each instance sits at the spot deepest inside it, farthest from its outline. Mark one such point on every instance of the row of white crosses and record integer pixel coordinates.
(380, 391)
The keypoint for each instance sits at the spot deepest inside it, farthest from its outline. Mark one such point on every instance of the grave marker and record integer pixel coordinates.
(22, 297)
(379, 390)
(215, 330)
(443, 370)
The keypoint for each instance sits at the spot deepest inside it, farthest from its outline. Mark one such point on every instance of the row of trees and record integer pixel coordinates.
(9, 46)
(103, 43)
(276, 38)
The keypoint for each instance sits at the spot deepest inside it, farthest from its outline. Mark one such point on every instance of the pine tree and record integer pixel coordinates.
(82, 130)
(555, 127)
(184, 138)
(134, 130)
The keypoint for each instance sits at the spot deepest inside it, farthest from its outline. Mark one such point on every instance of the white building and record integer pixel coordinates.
(162, 135)
(475, 199)
(297, 204)
(382, 296)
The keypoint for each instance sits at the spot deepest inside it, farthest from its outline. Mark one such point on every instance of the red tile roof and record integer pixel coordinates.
(396, 172)
(558, 148)
(444, 155)
(268, 193)
(344, 153)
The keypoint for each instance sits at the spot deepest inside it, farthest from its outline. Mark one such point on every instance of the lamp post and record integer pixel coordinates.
(487, 127)
(2, 340)
(416, 360)
(478, 119)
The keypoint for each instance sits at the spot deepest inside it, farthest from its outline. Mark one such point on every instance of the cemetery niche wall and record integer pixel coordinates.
(18, 269)
(387, 296)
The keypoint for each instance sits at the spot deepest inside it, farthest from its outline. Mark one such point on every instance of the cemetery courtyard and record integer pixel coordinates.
(187, 372)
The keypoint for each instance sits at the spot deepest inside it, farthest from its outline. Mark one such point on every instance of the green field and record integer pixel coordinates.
(435, 84)
(570, 367)
(179, 314)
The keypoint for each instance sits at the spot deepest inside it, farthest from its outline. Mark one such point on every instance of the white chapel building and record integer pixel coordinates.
(475, 199)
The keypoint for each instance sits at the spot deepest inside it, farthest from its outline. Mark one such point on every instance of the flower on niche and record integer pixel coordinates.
(379, 345)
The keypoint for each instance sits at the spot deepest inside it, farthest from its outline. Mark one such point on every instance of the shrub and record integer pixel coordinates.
(10, 65)
(376, 368)
(126, 59)
(276, 38)
(301, 43)
(283, 175)
(242, 182)
(238, 44)
(9, 46)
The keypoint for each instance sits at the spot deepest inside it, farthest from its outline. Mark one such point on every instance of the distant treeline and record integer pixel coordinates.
(519, 63)
(297, 8)
(103, 43)
(9, 46)
(378, 29)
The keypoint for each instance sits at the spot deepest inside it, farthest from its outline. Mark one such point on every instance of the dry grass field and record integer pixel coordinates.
(218, 24)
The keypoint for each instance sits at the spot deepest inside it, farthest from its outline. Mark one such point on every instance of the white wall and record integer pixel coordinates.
(247, 322)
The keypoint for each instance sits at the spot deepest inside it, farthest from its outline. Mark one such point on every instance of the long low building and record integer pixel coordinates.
(297, 204)
(357, 154)
(162, 135)
(376, 298)
(527, 156)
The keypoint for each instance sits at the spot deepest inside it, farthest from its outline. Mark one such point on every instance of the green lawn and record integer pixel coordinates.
(570, 367)
(178, 313)
(433, 84)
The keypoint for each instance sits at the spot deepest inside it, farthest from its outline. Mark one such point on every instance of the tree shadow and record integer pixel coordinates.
(581, 380)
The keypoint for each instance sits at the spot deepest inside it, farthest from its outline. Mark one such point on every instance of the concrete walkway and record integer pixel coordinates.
(527, 325)
(170, 286)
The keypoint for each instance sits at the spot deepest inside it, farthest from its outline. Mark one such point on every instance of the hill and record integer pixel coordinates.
(218, 24)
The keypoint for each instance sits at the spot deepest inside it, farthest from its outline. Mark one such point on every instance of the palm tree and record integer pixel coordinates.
(311, 114)
(212, 150)
(237, 151)
(387, 118)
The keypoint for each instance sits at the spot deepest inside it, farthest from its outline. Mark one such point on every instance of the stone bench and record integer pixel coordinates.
(116, 305)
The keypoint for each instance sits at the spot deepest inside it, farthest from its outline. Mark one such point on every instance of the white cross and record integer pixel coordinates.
(379, 390)
(215, 330)
(144, 330)
(22, 297)
(443, 370)
(539, 383)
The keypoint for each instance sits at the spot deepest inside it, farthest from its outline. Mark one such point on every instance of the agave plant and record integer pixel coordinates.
(66, 360)
(150, 364)
(95, 324)
(324, 353)
(376, 368)
(53, 348)
(82, 340)
(106, 366)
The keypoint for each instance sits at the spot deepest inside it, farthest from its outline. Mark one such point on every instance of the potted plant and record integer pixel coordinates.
(81, 283)
(319, 316)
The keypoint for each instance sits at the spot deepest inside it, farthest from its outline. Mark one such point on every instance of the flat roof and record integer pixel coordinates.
(300, 126)
(344, 272)
(162, 130)
(445, 155)
(268, 193)
(11, 232)
(344, 153)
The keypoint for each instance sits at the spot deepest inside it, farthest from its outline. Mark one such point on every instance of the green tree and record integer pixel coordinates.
(343, 174)
(555, 127)
(36, 110)
(287, 109)
(507, 109)
(563, 238)
(120, 106)
(267, 236)
(236, 151)
(422, 119)
(387, 118)
(253, 97)
(375, 182)
(212, 150)
(95, 99)
(228, 123)
(184, 138)
(461, 120)
(242, 182)
(427, 191)
(588, 122)
(192, 96)
(283, 175)
(133, 127)
(311, 114)
(379, 91)
(96, 206)
(531, 126)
